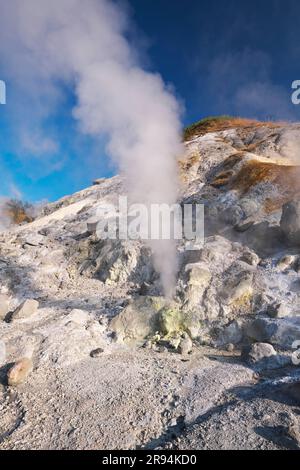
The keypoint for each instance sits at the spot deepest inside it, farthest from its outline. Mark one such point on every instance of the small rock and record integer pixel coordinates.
(293, 431)
(173, 422)
(264, 356)
(19, 372)
(98, 181)
(185, 345)
(278, 310)
(230, 347)
(238, 288)
(174, 341)
(251, 258)
(259, 351)
(244, 225)
(147, 345)
(97, 353)
(28, 308)
(144, 289)
(44, 231)
(286, 262)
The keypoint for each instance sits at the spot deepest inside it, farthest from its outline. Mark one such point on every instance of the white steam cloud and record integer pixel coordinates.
(84, 44)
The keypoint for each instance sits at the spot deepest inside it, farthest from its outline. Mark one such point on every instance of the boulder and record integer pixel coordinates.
(264, 356)
(171, 320)
(290, 222)
(263, 237)
(199, 278)
(278, 331)
(261, 329)
(146, 316)
(231, 334)
(69, 340)
(259, 351)
(138, 320)
(27, 308)
(186, 345)
(19, 372)
(192, 323)
(237, 289)
(215, 249)
(174, 321)
(198, 275)
(116, 262)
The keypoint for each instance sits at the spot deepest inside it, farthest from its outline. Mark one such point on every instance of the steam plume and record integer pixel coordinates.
(84, 44)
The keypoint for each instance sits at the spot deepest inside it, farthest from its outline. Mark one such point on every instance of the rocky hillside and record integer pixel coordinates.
(93, 356)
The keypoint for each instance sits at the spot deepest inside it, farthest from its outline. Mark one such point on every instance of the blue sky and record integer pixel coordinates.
(222, 57)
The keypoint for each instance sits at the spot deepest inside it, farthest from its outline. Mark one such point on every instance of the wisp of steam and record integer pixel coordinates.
(85, 44)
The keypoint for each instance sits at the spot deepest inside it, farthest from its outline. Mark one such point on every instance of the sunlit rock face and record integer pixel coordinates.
(241, 287)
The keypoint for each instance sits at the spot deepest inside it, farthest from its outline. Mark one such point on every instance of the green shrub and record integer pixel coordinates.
(204, 124)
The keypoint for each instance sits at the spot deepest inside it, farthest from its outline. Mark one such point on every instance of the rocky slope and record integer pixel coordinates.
(107, 362)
